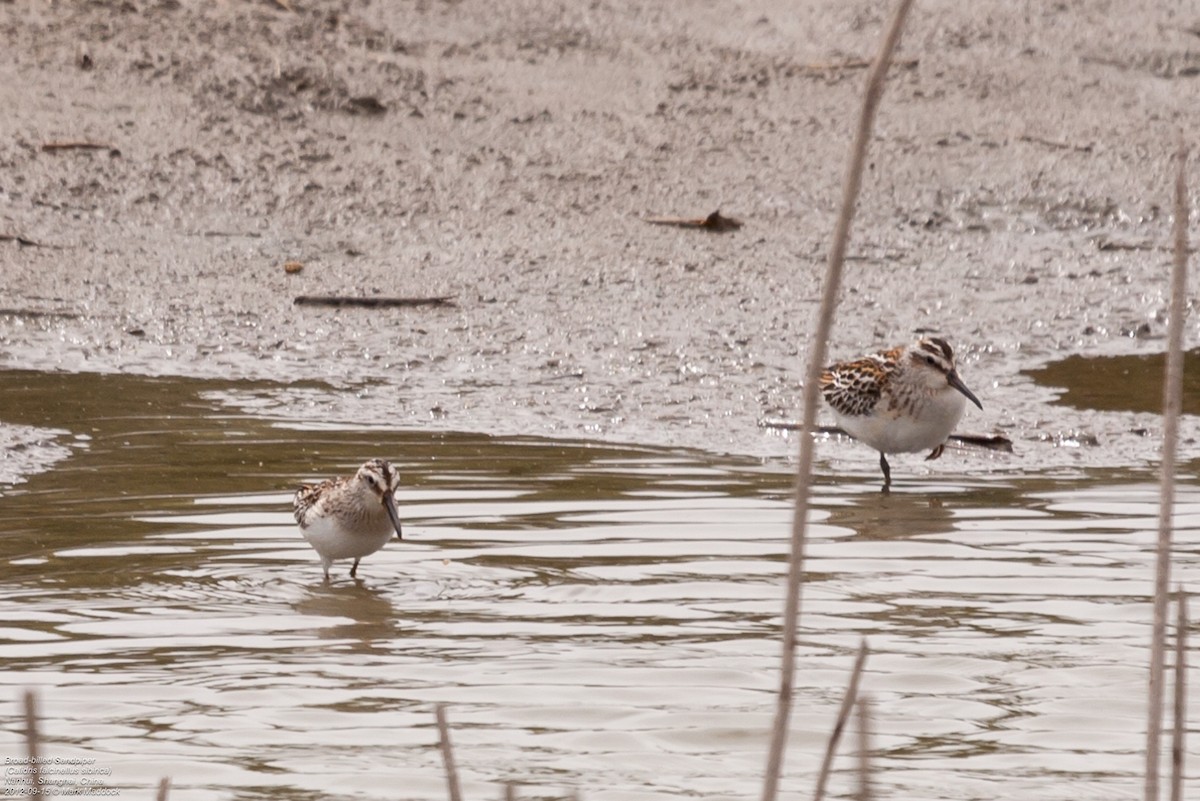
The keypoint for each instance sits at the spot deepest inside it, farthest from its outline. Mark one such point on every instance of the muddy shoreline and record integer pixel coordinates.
(1017, 203)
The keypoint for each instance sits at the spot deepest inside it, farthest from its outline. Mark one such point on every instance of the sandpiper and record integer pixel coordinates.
(901, 400)
(349, 518)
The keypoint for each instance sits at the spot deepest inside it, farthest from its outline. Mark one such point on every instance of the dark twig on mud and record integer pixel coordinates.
(32, 739)
(371, 303)
(857, 64)
(29, 243)
(1037, 140)
(1180, 718)
(80, 144)
(713, 222)
(1172, 401)
(987, 442)
(816, 362)
(35, 313)
(447, 754)
(840, 726)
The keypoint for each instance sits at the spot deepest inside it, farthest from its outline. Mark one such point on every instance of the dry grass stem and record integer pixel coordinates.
(1179, 721)
(864, 750)
(843, 715)
(447, 754)
(164, 787)
(33, 745)
(1172, 400)
(816, 361)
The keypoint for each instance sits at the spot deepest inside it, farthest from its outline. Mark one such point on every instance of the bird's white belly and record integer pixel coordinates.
(897, 431)
(333, 541)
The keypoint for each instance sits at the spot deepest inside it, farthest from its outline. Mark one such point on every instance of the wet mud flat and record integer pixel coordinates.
(507, 158)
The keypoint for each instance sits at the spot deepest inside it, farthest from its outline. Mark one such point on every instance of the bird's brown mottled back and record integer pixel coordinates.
(308, 495)
(854, 387)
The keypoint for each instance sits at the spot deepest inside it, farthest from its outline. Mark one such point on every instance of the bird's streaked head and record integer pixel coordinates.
(382, 480)
(933, 359)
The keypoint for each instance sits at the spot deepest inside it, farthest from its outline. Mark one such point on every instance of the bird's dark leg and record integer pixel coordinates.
(936, 452)
(354, 569)
(887, 472)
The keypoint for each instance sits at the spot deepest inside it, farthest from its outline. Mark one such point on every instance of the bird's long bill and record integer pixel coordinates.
(956, 382)
(389, 503)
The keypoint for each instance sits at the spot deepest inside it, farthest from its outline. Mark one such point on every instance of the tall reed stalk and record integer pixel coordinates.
(816, 362)
(1179, 718)
(452, 786)
(839, 725)
(1172, 401)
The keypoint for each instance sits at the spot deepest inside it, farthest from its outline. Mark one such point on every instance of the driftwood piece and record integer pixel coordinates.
(371, 303)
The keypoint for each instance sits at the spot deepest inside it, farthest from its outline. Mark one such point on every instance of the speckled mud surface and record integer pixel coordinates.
(1017, 202)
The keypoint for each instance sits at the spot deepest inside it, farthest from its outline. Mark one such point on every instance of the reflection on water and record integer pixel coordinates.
(598, 617)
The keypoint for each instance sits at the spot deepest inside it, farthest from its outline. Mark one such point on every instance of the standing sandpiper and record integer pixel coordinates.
(901, 400)
(349, 518)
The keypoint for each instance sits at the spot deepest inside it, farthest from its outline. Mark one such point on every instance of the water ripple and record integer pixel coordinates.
(604, 620)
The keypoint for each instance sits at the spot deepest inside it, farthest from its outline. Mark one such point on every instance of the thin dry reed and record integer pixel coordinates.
(447, 753)
(164, 788)
(33, 745)
(864, 750)
(840, 725)
(1172, 399)
(816, 362)
(1180, 713)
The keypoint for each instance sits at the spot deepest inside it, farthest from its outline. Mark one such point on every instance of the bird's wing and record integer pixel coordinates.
(853, 388)
(306, 498)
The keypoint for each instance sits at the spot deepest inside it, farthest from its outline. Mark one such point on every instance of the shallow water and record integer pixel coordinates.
(598, 618)
(1126, 383)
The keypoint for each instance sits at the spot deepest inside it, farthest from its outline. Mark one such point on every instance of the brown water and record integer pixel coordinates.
(1127, 383)
(599, 618)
